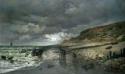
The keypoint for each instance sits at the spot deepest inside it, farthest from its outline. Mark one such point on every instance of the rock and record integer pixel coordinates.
(116, 65)
(50, 66)
(10, 58)
(37, 52)
(11, 61)
(88, 66)
(109, 47)
(3, 57)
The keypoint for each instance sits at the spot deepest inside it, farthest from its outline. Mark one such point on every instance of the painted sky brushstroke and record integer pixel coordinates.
(28, 21)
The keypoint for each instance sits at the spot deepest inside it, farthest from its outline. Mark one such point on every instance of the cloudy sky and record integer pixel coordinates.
(41, 22)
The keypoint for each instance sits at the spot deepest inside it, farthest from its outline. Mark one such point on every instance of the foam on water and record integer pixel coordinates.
(6, 66)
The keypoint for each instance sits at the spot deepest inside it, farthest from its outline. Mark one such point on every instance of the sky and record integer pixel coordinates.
(47, 22)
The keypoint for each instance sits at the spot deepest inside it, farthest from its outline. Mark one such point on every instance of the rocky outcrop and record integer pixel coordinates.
(111, 33)
(94, 47)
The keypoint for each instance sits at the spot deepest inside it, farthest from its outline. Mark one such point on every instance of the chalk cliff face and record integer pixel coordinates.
(104, 33)
(98, 40)
(108, 33)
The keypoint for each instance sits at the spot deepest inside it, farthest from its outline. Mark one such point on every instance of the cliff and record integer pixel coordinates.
(110, 33)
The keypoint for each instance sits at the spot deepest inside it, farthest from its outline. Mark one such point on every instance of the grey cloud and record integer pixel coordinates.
(28, 20)
(27, 29)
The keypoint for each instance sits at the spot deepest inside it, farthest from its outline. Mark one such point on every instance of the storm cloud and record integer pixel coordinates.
(28, 21)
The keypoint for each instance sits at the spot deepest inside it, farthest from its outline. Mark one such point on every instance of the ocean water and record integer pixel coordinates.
(52, 62)
(6, 66)
(22, 62)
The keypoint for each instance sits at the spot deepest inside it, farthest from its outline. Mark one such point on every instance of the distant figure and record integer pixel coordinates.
(11, 44)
